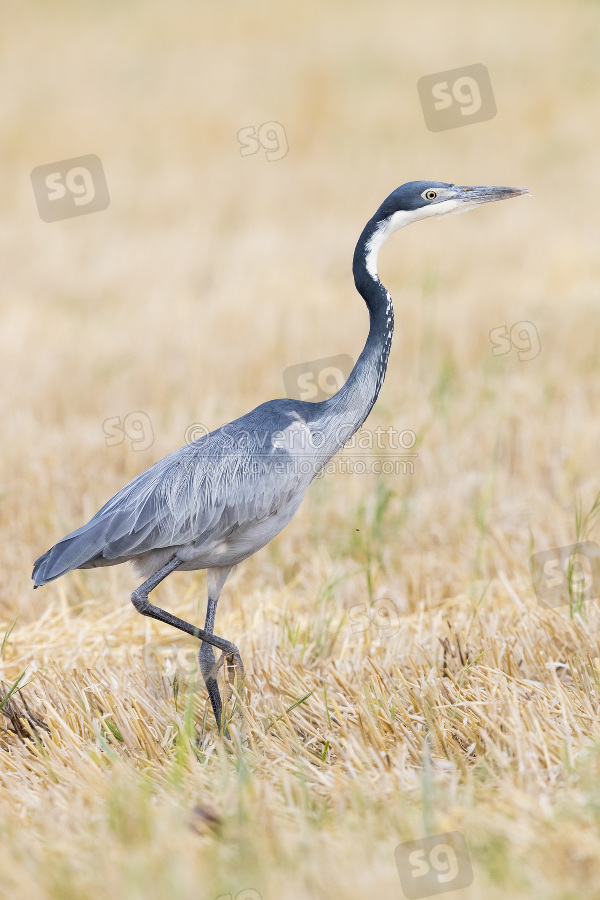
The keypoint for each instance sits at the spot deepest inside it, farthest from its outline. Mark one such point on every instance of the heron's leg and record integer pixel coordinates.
(215, 579)
(139, 598)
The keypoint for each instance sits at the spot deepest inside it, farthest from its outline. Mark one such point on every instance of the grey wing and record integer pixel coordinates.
(209, 488)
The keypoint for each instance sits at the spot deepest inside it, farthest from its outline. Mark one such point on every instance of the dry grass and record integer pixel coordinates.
(208, 275)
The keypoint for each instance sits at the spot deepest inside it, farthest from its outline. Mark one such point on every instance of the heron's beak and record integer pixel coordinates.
(475, 196)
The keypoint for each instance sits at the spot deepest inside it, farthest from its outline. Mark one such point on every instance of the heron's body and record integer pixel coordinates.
(213, 502)
(216, 501)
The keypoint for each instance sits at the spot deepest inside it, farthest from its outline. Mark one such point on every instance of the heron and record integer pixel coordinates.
(221, 498)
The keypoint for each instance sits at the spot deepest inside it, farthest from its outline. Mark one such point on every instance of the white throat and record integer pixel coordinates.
(399, 220)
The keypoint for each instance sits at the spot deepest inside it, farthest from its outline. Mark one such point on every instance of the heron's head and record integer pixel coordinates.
(422, 199)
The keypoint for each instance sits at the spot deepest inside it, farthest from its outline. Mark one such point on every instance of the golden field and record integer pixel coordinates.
(473, 708)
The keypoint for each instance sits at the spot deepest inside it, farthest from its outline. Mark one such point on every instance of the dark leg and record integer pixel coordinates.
(215, 579)
(139, 598)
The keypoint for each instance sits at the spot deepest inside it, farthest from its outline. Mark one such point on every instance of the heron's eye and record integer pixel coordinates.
(430, 195)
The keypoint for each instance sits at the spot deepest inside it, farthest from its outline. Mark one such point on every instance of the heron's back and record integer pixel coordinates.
(229, 480)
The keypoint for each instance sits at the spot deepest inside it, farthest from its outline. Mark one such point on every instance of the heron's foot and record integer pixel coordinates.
(230, 657)
(234, 666)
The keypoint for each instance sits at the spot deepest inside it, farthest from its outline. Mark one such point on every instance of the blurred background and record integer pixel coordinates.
(224, 257)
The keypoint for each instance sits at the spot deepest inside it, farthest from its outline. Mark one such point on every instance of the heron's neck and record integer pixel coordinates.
(347, 410)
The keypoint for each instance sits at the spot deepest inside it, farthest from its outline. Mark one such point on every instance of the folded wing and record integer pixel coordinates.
(237, 474)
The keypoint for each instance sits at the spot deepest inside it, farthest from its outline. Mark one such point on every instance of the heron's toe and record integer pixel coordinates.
(234, 667)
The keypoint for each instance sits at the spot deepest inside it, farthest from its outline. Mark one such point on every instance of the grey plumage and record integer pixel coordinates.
(203, 500)
(213, 503)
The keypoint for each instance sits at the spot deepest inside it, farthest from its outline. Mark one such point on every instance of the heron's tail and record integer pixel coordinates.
(75, 551)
